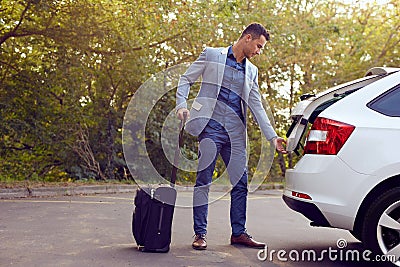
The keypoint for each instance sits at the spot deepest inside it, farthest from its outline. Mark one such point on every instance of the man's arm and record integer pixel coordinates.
(191, 75)
(258, 111)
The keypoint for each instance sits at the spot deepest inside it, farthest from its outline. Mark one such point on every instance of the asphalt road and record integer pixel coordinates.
(95, 230)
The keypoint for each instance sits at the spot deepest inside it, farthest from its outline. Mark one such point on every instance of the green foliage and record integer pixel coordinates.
(68, 70)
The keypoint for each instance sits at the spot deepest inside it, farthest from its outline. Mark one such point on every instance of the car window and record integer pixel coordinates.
(387, 103)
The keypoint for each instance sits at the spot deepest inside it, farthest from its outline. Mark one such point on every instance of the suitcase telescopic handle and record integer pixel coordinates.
(178, 150)
(182, 128)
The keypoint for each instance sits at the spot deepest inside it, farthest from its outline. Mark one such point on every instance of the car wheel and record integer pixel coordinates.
(381, 227)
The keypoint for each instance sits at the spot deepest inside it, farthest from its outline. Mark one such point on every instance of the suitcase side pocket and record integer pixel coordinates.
(140, 216)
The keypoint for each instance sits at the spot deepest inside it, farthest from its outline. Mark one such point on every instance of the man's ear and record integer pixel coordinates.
(248, 37)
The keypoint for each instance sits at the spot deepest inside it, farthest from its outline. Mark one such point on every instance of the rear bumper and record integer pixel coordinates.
(335, 189)
(309, 210)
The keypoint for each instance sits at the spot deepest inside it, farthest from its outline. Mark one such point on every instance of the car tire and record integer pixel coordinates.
(381, 226)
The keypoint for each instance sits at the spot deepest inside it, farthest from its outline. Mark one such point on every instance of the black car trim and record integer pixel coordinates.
(309, 210)
(294, 123)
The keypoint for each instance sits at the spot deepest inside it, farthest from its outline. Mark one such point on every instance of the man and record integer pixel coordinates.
(218, 117)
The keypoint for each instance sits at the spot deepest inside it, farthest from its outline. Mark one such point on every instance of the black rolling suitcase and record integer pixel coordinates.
(154, 210)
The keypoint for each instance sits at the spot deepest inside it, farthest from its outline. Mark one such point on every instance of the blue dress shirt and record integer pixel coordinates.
(229, 105)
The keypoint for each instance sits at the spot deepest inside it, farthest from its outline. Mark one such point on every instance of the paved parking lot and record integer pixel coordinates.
(95, 230)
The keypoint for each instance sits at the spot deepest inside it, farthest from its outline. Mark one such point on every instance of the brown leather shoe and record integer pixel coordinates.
(199, 242)
(246, 240)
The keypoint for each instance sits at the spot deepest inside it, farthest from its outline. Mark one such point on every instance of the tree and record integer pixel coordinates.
(68, 70)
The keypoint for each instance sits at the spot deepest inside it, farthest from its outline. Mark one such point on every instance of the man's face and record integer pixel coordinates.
(254, 47)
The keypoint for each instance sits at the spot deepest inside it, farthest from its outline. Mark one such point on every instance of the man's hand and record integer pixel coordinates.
(180, 113)
(278, 142)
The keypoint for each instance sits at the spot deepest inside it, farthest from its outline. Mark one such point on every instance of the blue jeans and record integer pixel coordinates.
(233, 152)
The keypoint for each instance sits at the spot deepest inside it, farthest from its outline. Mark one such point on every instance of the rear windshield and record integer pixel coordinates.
(387, 103)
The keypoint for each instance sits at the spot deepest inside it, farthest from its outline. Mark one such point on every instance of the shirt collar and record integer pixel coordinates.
(232, 56)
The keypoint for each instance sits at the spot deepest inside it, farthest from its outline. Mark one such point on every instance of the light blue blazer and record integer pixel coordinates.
(210, 67)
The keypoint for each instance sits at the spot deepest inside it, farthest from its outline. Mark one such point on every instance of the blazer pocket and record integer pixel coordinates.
(196, 105)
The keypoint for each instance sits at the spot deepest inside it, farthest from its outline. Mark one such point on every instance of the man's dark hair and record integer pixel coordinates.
(255, 30)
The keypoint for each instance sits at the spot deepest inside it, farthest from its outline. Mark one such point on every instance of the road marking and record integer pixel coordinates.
(249, 198)
(57, 201)
(119, 198)
(211, 199)
(119, 245)
(264, 197)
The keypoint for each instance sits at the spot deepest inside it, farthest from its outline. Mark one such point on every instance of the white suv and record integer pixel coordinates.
(349, 174)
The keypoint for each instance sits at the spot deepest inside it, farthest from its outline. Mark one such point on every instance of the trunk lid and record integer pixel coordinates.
(310, 106)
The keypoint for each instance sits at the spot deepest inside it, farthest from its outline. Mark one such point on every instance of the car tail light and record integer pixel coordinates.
(327, 136)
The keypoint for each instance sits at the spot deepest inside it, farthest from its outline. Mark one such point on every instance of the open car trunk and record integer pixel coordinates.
(311, 106)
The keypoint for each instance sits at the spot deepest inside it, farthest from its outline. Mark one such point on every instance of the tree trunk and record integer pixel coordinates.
(83, 149)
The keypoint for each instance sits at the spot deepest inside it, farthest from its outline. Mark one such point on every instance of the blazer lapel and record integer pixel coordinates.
(247, 82)
(221, 66)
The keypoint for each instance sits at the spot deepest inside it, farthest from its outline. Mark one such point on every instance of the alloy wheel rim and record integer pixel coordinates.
(388, 232)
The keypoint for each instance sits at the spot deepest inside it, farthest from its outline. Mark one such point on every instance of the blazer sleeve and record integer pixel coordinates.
(186, 80)
(258, 111)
